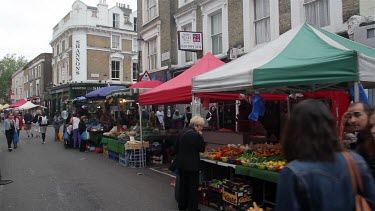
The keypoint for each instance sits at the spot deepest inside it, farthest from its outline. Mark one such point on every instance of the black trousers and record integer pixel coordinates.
(188, 193)
(9, 136)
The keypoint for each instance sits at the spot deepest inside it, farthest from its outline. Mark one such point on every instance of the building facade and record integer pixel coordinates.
(92, 47)
(37, 75)
(230, 27)
(17, 86)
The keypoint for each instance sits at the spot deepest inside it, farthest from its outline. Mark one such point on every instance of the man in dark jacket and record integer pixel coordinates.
(188, 146)
(28, 117)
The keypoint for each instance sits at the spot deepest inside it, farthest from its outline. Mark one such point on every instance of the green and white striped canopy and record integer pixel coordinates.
(304, 56)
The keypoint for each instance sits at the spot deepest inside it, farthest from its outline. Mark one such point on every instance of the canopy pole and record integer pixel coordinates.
(237, 113)
(217, 116)
(288, 103)
(140, 123)
(193, 105)
(356, 91)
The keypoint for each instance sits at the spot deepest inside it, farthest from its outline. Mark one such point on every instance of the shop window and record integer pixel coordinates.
(216, 34)
(317, 12)
(116, 20)
(115, 70)
(115, 41)
(262, 21)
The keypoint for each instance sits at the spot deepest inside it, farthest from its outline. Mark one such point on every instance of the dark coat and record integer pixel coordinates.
(187, 147)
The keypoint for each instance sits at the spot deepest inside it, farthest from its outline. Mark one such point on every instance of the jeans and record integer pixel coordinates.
(76, 138)
(9, 136)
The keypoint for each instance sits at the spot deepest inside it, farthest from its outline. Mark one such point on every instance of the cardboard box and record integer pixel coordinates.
(236, 193)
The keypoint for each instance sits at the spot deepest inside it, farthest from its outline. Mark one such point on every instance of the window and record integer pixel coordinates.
(58, 49)
(317, 12)
(116, 20)
(116, 41)
(63, 46)
(115, 70)
(135, 70)
(151, 9)
(216, 34)
(262, 21)
(40, 71)
(188, 55)
(135, 24)
(37, 90)
(152, 51)
(135, 45)
(370, 33)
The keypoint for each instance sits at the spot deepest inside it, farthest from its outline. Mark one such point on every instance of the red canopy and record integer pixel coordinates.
(146, 84)
(178, 89)
(18, 103)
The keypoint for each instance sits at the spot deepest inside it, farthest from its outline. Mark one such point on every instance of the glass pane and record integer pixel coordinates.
(217, 44)
(323, 13)
(216, 24)
(370, 33)
(188, 56)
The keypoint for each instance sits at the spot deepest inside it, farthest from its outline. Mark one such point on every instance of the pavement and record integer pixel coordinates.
(49, 177)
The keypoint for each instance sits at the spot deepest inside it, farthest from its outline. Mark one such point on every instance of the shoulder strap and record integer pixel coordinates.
(354, 172)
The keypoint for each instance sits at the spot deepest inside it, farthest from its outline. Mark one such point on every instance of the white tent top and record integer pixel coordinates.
(27, 105)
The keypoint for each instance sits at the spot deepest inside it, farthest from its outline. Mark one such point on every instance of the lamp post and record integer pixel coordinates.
(140, 41)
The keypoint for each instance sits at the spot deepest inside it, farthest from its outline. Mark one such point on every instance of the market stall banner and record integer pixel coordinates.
(178, 89)
(303, 56)
(102, 92)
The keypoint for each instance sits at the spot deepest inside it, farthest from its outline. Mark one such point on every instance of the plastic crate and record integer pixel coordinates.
(135, 158)
(113, 155)
(122, 160)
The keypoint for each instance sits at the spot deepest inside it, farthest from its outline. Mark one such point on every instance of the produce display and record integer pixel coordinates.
(261, 156)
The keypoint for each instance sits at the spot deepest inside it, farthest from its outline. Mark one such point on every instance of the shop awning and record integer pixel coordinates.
(102, 92)
(18, 103)
(300, 58)
(178, 89)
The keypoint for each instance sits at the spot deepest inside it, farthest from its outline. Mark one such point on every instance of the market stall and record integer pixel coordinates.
(304, 59)
(18, 103)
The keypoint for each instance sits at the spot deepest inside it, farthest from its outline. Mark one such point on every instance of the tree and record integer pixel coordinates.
(9, 65)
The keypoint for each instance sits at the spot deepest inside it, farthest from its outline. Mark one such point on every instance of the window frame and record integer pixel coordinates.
(188, 27)
(135, 70)
(261, 19)
(318, 15)
(113, 41)
(116, 70)
(152, 56)
(116, 20)
(373, 33)
(149, 8)
(219, 34)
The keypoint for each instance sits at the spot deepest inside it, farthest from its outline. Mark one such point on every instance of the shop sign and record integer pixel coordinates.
(79, 88)
(165, 56)
(78, 57)
(190, 41)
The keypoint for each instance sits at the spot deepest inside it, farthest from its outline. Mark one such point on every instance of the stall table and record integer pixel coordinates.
(96, 136)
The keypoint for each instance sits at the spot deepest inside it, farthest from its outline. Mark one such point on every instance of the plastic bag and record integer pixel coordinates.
(66, 135)
(85, 135)
(15, 138)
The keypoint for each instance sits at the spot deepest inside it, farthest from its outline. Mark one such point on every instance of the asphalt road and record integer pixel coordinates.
(49, 177)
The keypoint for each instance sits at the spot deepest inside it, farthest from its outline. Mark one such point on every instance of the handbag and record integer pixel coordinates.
(15, 138)
(361, 203)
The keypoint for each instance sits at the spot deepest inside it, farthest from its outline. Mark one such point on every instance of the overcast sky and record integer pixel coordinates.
(26, 25)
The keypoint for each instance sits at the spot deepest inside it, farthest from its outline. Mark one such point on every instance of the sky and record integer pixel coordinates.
(26, 25)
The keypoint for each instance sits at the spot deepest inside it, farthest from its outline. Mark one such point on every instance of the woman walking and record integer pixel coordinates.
(57, 121)
(317, 176)
(43, 122)
(10, 130)
(76, 136)
(18, 124)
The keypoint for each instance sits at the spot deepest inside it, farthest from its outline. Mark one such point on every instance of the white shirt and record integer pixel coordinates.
(76, 121)
(160, 115)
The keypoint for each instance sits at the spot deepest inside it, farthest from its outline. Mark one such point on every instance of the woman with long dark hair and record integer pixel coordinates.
(316, 176)
(10, 130)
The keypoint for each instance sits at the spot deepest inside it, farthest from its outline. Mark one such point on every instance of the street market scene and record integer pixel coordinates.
(232, 105)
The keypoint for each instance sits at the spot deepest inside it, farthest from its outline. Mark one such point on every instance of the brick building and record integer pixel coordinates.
(92, 47)
(230, 27)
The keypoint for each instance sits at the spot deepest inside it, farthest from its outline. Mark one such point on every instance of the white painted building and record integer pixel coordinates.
(17, 91)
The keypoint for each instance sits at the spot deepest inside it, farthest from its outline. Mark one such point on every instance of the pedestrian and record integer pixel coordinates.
(355, 120)
(36, 123)
(187, 148)
(28, 117)
(43, 123)
(2, 115)
(160, 116)
(19, 123)
(367, 148)
(82, 129)
(76, 136)
(10, 130)
(212, 118)
(187, 116)
(57, 121)
(317, 176)
(177, 122)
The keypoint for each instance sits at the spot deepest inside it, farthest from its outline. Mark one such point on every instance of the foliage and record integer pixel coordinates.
(9, 65)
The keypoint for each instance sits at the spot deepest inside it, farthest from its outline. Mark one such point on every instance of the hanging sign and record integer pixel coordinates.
(190, 41)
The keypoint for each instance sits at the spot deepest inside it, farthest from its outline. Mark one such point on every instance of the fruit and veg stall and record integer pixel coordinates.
(258, 166)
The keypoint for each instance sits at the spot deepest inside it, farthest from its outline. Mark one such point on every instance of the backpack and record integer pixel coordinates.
(44, 120)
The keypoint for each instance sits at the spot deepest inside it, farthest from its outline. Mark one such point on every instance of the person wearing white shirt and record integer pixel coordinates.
(160, 115)
(76, 137)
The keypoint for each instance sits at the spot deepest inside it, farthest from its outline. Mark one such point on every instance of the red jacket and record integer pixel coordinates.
(20, 121)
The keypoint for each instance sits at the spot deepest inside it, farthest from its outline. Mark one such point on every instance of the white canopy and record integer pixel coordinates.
(28, 105)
